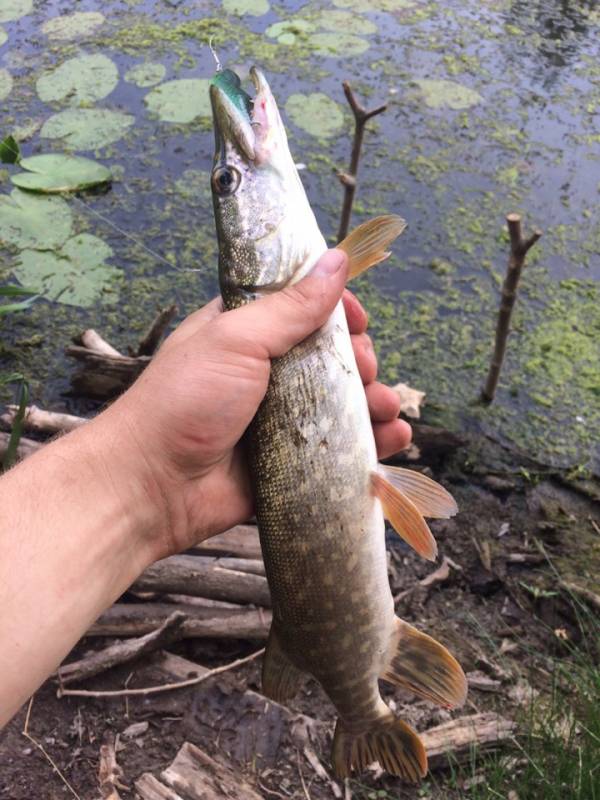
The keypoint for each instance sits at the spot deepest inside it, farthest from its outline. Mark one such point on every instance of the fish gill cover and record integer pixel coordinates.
(229, 83)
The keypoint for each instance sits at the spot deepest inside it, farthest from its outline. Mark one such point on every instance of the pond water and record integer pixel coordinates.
(494, 106)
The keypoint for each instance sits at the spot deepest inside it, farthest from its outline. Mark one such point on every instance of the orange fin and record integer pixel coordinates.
(389, 741)
(368, 244)
(418, 663)
(429, 497)
(404, 516)
(280, 678)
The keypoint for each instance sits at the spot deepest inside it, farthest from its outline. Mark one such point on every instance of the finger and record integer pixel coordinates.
(279, 321)
(391, 437)
(366, 360)
(383, 402)
(194, 322)
(355, 313)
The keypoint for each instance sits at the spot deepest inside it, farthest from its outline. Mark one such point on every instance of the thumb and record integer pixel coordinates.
(283, 319)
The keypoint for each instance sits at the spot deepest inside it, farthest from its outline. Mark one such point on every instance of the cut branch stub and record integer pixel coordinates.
(519, 247)
(348, 179)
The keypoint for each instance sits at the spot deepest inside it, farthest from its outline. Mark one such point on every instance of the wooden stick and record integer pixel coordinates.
(205, 578)
(135, 619)
(454, 741)
(92, 340)
(242, 541)
(592, 599)
(151, 339)
(348, 179)
(519, 248)
(41, 421)
(121, 652)
(167, 687)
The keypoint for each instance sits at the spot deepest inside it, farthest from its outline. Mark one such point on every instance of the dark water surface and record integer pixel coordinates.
(515, 127)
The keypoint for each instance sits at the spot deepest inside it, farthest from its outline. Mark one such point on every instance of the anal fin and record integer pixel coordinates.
(418, 663)
(280, 678)
(368, 244)
(404, 516)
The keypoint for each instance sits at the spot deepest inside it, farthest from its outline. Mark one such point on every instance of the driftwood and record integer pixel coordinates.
(151, 339)
(25, 448)
(519, 248)
(110, 774)
(454, 741)
(122, 652)
(193, 775)
(241, 542)
(41, 421)
(136, 619)
(348, 179)
(204, 577)
(92, 340)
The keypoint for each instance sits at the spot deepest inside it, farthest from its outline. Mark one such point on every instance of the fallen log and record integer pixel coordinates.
(204, 577)
(240, 542)
(454, 741)
(104, 376)
(41, 421)
(136, 619)
(193, 775)
(122, 652)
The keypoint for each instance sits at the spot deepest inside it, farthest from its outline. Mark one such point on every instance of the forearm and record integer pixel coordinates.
(75, 530)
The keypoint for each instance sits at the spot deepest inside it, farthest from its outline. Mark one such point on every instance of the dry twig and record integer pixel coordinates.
(519, 248)
(151, 339)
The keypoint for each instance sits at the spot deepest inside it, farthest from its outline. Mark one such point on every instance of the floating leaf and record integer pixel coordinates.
(81, 79)
(180, 100)
(72, 26)
(374, 5)
(3, 36)
(255, 8)
(27, 220)
(54, 173)
(315, 113)
(76, 275)
(146, 74)
(6, 83)
(9, 150)
(332, 20)
(87, 128)
(338, 44)
(14, 9)
(447, 94)
(288, 31)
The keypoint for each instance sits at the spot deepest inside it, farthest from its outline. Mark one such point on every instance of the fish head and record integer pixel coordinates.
(267, 233)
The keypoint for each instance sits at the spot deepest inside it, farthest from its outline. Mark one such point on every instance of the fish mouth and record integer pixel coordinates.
(236, 115)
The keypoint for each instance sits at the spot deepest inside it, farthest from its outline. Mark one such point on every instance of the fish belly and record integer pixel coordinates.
(322, 533)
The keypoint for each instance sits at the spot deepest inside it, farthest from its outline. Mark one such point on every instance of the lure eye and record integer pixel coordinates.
(225, 180)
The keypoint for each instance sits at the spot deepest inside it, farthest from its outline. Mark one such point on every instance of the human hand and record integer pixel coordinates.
(181, 422)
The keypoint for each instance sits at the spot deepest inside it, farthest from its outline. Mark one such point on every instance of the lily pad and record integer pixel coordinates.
(146, 74)
(14, 9)
(76, 275)
(180, 100)
(315, 113)
(83, 79)
(6, 83)
(30, 221)
(374, 5)
(288, 31)
(72, 26)
(447, 94)
(333, 20)
(338, 44)
(55, 173)
(10, 152)
(3, 36)
(87, 128)
(255, 8)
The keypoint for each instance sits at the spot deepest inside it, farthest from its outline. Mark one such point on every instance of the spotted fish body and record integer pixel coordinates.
(320, 493)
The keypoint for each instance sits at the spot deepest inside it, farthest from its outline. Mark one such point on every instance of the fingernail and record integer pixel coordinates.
(329, 263)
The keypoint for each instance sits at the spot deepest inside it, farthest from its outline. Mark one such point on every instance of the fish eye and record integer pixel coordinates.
(225, 180)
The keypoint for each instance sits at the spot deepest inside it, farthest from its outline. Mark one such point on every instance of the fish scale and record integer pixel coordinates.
(320, 495)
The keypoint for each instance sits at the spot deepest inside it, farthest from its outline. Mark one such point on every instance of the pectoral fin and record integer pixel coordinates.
(280, 678)
(368, 244)
(404, 516)
(431, 499)
(417, 662)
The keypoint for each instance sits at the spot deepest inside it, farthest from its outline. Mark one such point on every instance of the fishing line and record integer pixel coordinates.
(214, 53)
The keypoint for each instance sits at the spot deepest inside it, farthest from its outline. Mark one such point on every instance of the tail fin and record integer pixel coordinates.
(390, 742)
(417, 662)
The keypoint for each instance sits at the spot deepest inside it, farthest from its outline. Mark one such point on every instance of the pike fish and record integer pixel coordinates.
(321, 496)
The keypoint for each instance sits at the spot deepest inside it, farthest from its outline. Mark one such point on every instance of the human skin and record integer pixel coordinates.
(161, 469)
